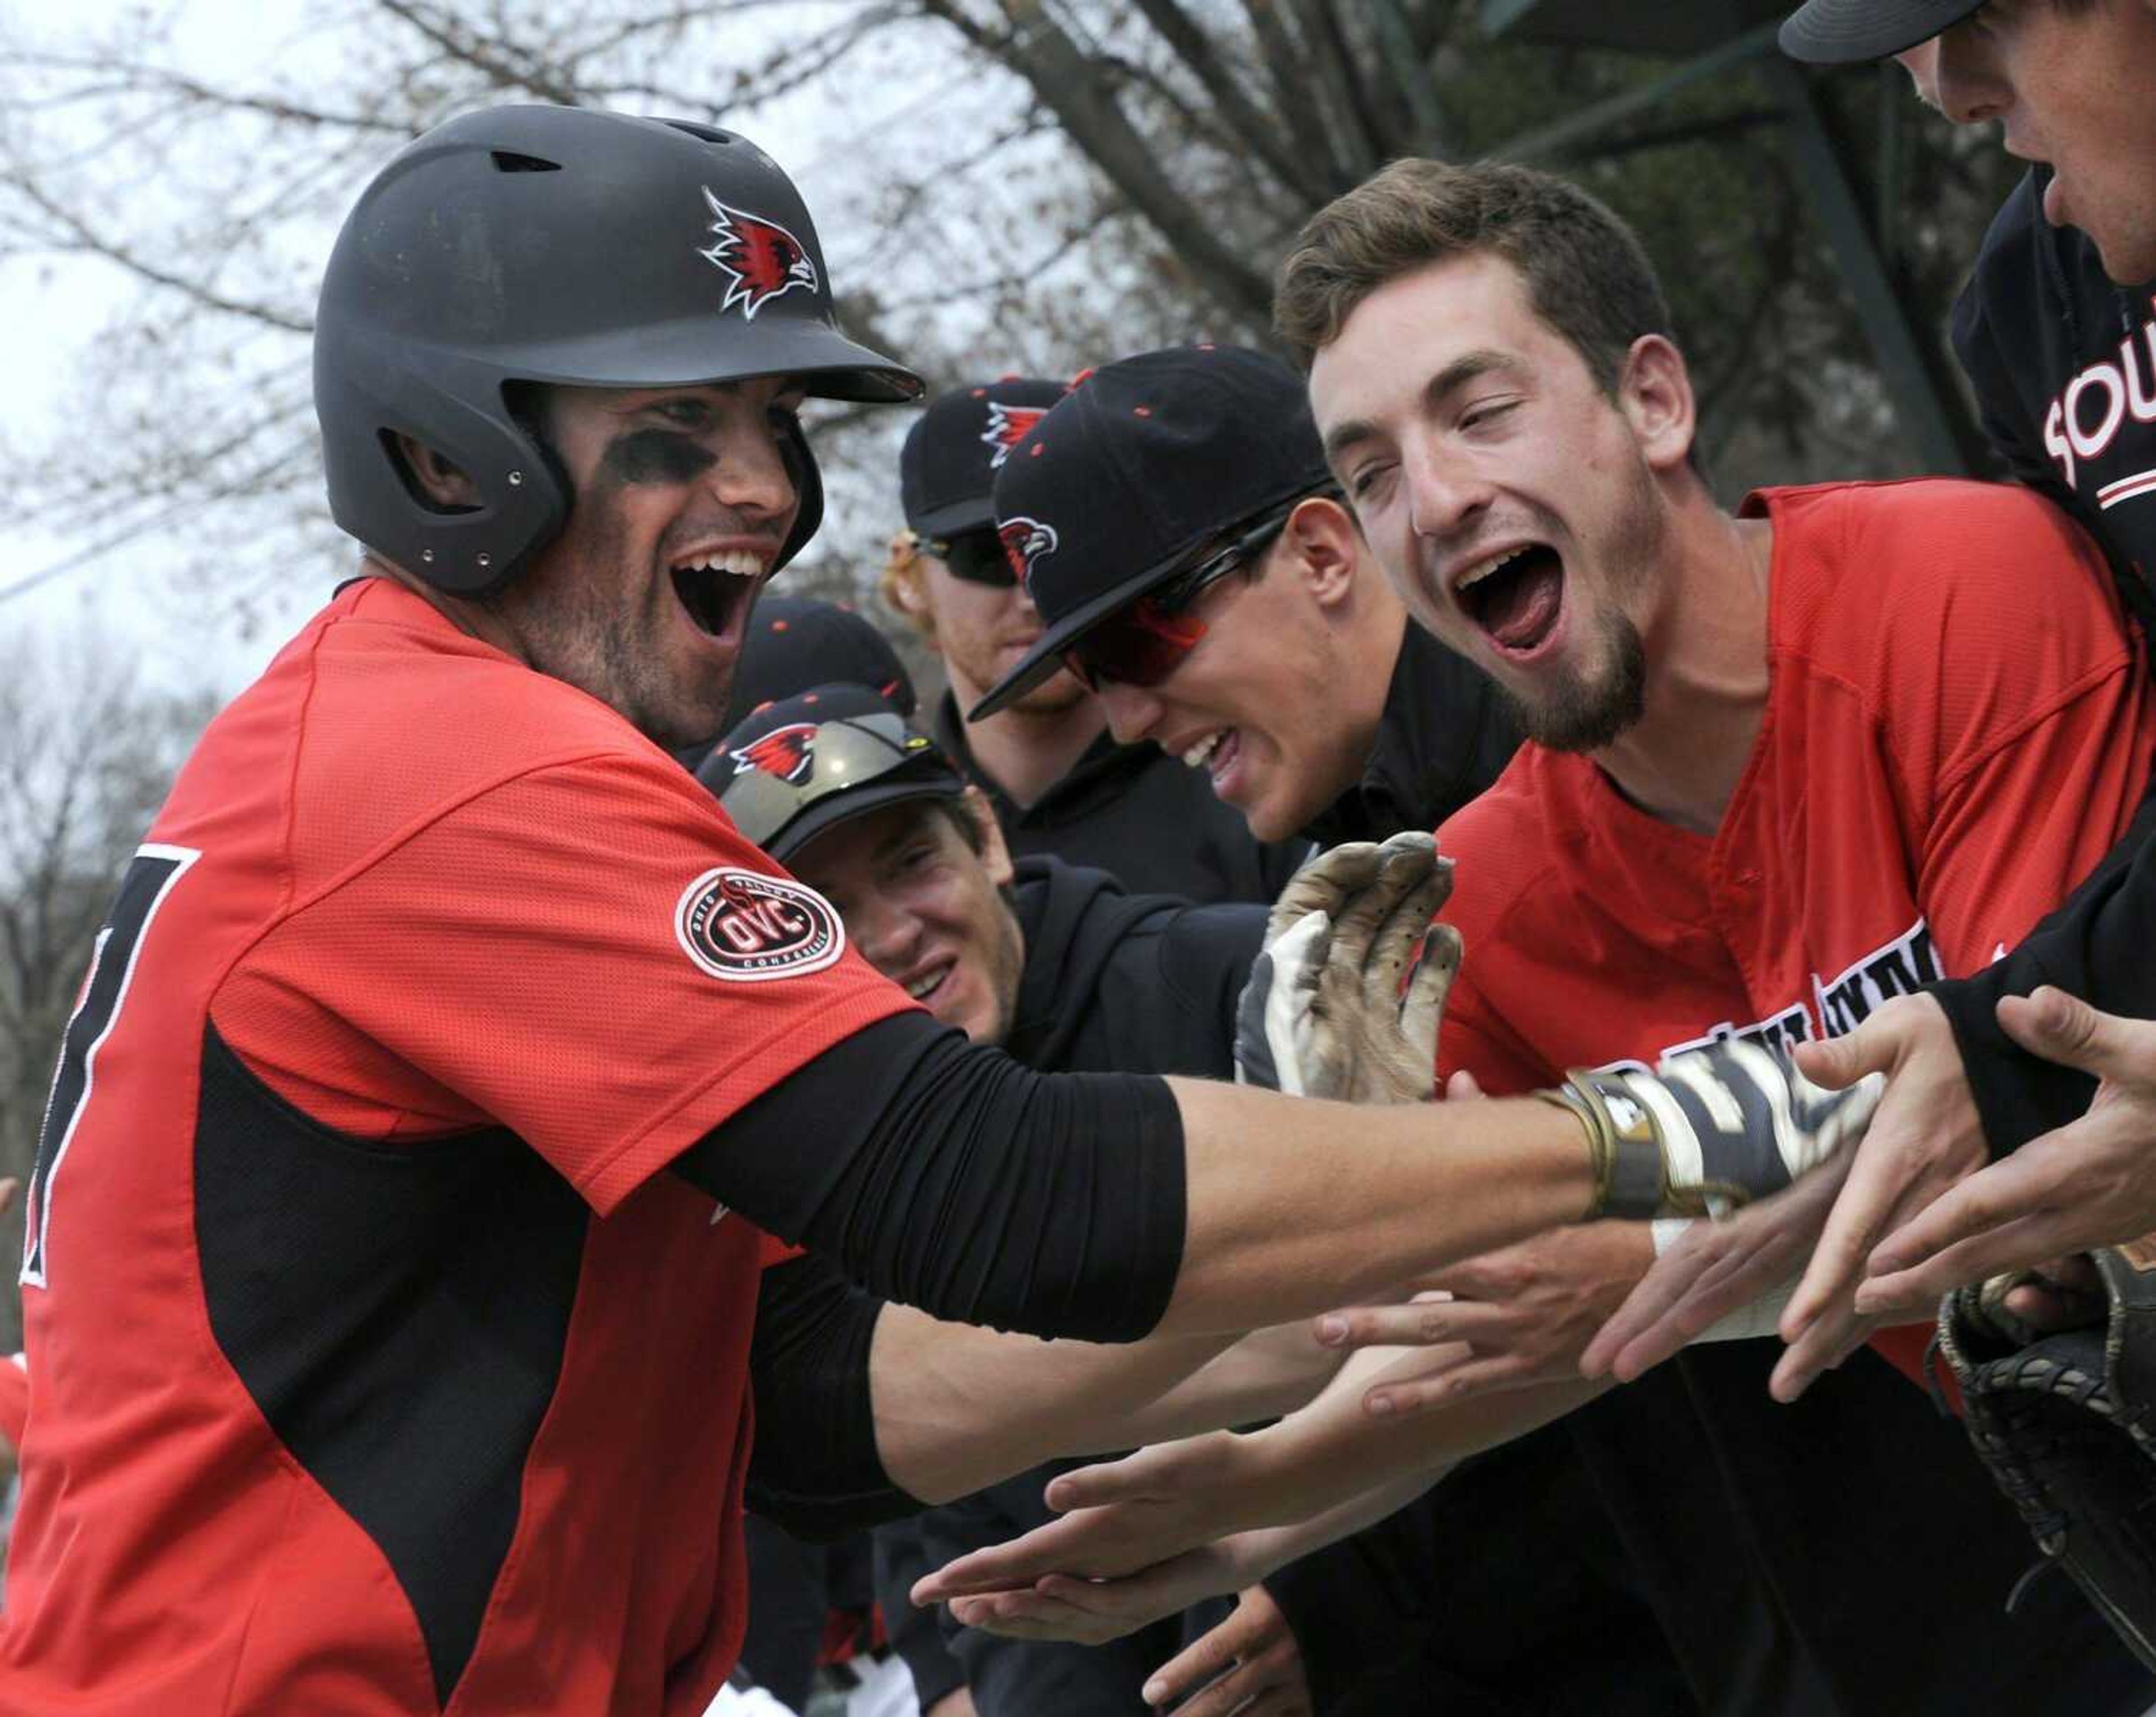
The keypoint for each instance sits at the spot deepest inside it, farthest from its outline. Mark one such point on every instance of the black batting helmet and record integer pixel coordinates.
(557, 245)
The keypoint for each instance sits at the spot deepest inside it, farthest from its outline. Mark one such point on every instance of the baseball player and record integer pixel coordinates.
(393, 1244)
(2056, 331)
(1782, 766)
(1060, 782)
(1207, 577)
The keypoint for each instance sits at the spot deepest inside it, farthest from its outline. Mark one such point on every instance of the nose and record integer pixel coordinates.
(1445, 496)
(1965, 78)
(753, 473)
(883, 930)
(1132, 712)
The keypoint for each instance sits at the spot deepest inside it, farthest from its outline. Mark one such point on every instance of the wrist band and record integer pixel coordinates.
(1623, 1145)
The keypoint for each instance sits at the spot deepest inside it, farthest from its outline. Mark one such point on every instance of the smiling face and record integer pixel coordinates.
(1276, 702)
(983, 631)
(925, 908)
(1521, 511)
(683, 497)
(2074, 85)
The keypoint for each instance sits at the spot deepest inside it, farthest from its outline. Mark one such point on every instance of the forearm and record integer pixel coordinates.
(958, 1408)
(1296, 1207)
(1333, 1453)
(1264, 1374)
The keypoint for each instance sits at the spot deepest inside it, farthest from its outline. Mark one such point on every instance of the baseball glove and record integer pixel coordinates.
(2064, 1422)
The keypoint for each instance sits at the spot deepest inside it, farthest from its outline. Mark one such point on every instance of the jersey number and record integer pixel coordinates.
(150, 878)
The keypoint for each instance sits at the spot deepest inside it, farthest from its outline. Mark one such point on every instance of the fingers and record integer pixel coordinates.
(1422, 1015)
(2009, 1247)
(2065, 1029)
(1005, 1567)
(1823, 1345)
(1640, 1330)
(1251, 1656)
(1320, 884)
(1035, 1615)
(1462, 1087)
(1838, 1062)
(1448, 1385)
(1422, 1323)
(1877, 1180)
(1403, 868)
(2031, 1179)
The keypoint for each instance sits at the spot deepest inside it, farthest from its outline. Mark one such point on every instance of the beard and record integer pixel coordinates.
(1585, 713)
(1592, 708)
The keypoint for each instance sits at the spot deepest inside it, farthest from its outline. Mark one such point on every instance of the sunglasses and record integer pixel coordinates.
(977, 556)
(1144, 642)
(780, 774)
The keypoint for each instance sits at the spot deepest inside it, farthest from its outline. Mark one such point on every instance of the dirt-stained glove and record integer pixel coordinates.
(1330, 1010)
(1708, 1131)
(2063, 1421)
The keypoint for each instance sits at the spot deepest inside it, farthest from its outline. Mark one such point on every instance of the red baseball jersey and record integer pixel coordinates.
(1957, 730)
(14, 1399)
(380, 1367)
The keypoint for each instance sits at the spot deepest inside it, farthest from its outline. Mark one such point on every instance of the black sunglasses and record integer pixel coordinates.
(977, 556)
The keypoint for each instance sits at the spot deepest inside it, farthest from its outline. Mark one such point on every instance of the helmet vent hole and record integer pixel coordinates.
(710, 134)
(507, 161)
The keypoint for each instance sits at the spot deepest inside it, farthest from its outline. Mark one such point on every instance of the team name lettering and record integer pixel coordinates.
(2085, 416)
(1836, 1005)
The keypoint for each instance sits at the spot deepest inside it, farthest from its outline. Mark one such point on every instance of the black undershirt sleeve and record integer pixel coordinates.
(948, 1177)
(814, 1469)
(2097, 947)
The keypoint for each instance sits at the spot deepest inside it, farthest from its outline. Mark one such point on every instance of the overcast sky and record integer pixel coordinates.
(55, 305)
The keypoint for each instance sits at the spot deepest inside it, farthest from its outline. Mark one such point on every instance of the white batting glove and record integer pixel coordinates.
(1329, 1011)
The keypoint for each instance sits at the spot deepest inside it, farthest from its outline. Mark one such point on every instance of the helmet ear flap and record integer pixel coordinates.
(808, 489)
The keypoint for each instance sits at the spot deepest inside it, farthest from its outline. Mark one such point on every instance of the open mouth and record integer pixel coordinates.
(715, 590)
(1515, 597)
(926, 987)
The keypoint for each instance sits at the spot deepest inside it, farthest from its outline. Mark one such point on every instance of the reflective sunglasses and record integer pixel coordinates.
(977, 557)
(1145, 641)
(780, 774)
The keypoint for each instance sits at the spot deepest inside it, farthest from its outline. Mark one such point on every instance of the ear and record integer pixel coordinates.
(1323, 548)
(995, 850)
(436, 479)
(1654, 391)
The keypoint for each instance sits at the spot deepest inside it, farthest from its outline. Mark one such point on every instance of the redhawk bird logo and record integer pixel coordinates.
(1007, 427)
(1025, 542)
(760, 258)
(787, 752)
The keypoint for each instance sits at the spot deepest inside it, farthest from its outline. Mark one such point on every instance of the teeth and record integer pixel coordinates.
(735, 562)
(1196, 756)
(1475, 575)
(919, 988)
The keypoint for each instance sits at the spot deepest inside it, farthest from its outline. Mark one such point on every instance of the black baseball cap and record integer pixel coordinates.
(796, 642)
(1837, 32)
(808, 762)
(1144, 463)
(949, 466)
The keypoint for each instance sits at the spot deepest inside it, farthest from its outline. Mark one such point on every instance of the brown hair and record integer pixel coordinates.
(1585, 273)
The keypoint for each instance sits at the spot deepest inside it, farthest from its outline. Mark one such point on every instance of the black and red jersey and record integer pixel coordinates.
(379, 1368)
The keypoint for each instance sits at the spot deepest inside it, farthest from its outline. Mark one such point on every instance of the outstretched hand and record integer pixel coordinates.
(1509, 1320)
(1924, 1137)
(2090, 1183)
(1250, 1665)
(1713, 1272)
(1118, 1517)
(1329, 1010)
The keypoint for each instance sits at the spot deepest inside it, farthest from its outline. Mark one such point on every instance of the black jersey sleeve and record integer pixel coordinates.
(2097, 947)
(948, 1177)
